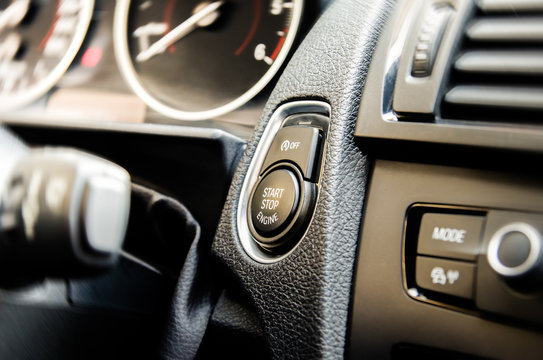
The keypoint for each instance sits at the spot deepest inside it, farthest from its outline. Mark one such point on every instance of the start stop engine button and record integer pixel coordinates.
(274, 202)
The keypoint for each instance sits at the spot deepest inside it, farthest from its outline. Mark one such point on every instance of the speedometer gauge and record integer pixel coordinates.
(38, 42)
(196, 60)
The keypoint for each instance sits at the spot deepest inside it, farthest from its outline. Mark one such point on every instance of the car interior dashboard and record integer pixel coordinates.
(275, 179)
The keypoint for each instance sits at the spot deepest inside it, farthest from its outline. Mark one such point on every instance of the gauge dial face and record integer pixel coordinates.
(38, 42)
(196, 60)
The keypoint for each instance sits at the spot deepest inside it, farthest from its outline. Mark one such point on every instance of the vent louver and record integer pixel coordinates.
(497, 75)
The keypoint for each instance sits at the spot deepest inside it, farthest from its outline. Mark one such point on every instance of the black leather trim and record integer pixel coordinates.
(303, 300)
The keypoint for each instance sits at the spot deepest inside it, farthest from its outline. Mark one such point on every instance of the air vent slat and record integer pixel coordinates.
(512, 97)
(497, 74)
(501, 62)
(507, 29)
(510, 5)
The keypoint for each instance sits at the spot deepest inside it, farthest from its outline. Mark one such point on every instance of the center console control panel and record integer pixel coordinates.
(480, 260)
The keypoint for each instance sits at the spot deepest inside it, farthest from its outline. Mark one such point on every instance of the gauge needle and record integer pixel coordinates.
(180, 31)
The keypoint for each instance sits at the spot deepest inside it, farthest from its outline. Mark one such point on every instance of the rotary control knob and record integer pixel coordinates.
(514, 253)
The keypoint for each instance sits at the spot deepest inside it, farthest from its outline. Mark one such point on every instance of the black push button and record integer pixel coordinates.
(446, 276)
(274, 202)
(449, 235)
(298, 144)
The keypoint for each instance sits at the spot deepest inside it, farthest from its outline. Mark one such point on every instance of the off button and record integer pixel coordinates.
(274, 202)
(299, 145)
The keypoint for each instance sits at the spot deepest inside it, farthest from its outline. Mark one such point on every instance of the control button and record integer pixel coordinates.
(434, 23)
(274, 202)
(445, 276)
(452, 236)
(298, 144)
(515, 250)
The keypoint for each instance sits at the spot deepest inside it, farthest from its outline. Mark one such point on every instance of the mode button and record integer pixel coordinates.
(450, 235)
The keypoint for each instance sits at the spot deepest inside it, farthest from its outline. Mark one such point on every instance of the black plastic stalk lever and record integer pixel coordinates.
(62, 213)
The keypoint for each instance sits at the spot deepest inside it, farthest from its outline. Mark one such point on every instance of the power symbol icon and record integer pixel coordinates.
(290, 145)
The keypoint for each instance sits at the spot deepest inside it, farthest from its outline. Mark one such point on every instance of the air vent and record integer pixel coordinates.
(497, 75)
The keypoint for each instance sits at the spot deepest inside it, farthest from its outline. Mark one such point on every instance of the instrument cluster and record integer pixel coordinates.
(166, 61)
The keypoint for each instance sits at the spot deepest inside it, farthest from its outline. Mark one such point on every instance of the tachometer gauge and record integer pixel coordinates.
(196, 60)
(38, 42)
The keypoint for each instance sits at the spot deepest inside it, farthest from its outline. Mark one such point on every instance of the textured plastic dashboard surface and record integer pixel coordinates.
(303, 300)
(385, 318)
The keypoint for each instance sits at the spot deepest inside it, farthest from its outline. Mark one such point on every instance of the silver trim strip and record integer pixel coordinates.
(510, 5)
(517, 97)
(126, 67)
(535, 249)
(507, 29)
(517, 62)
